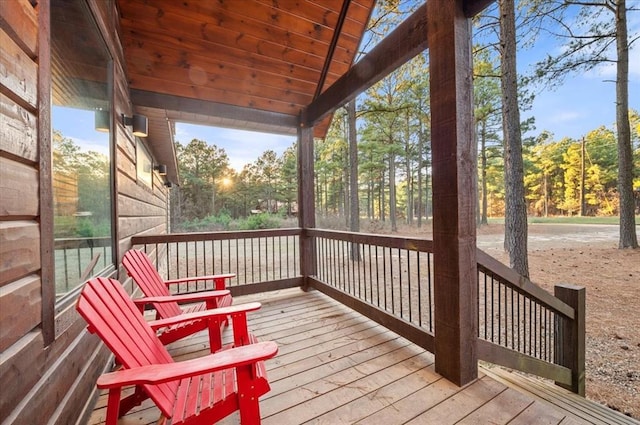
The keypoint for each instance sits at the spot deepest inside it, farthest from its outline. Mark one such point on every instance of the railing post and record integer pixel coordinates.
(570, 336)
(306, 206)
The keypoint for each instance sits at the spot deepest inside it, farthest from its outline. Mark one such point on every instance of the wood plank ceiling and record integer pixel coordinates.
(252, 64)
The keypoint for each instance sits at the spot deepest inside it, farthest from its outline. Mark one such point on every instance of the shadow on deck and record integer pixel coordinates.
(336, 366)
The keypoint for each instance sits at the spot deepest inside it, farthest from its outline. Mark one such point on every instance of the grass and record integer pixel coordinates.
(568, 220)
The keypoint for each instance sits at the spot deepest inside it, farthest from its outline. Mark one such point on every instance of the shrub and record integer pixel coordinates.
(260, 221)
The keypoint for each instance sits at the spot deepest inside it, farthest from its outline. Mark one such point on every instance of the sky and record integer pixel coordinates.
(583, 101)
(242, 147)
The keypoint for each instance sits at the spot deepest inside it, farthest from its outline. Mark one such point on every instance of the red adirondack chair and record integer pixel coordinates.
(144, 273)
(194, 392)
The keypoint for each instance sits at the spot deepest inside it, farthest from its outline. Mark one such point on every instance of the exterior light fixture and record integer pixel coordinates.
(161, 169)
(138, 123)
(102, 123)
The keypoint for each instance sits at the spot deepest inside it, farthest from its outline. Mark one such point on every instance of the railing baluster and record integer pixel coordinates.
(419, 289)
(400, 282)
(377, 276)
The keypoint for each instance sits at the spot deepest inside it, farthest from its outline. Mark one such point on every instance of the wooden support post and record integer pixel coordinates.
(454, 198)
(570, 336)
(306, 205)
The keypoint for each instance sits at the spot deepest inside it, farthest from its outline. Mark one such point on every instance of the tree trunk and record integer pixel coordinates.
(515, 232)
(628, 236)
(409, 173)
(392, 192)
(370, 197)
(427, 185)
(583, 201)
(546, 194)
(420, 211)
(354, 210)
(381, 200)
(483, 153)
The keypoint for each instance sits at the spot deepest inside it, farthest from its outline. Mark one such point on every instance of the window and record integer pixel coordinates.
(81, 146)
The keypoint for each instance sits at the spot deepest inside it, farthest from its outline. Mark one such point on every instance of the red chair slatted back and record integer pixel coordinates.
(144, 273)
(111, 314)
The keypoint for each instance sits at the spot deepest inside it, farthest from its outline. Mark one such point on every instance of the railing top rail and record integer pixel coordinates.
(212, 236)
(85, 242)
(487, 263)
(403, 242)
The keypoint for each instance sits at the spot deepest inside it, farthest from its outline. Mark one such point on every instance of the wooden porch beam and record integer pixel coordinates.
(332, 47)
(214, 109)
(405, 42)
(473, 7)
(454, 197)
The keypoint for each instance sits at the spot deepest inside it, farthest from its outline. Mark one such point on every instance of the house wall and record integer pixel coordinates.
(48, 361)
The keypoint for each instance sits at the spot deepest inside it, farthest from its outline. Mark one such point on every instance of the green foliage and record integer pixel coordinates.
(85, 228)
(208, 223)
(88, 228)
(260, 221)
(203, 169)
(80, 227)
(224, 222)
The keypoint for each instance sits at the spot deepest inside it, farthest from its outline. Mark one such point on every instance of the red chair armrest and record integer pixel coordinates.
(183, 298)
(196, 278)
(205, 314)
(157, 374)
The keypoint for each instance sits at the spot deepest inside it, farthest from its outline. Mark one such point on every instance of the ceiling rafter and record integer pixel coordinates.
(332, 47)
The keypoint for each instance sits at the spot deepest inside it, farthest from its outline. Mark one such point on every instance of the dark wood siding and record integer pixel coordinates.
(51, 362)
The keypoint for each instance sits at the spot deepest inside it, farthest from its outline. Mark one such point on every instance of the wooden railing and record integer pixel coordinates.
(262, 260)
(524, 327)
(390, 280)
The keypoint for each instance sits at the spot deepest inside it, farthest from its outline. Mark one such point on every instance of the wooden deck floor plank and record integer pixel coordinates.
(571, 421)
(305, 321)
(302, 329)
(281, 313)
(341, 369)
(378, 399)
(315, 331)
(301, 302)
(578, 407)
(501, 409)
(324, 364)
(456, 407)
(316, 398)
(412, 405)
(145, 414)
(275, 297)
(295, 350)
(538, 414)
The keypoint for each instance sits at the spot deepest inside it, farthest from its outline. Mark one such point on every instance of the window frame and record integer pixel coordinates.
(59, 314)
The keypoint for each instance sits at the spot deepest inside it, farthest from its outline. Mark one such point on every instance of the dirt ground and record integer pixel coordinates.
(587, 255)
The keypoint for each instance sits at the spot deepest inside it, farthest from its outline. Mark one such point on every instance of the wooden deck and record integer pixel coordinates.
(335, 366)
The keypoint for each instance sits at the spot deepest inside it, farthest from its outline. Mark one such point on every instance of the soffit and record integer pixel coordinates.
(244, 57)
